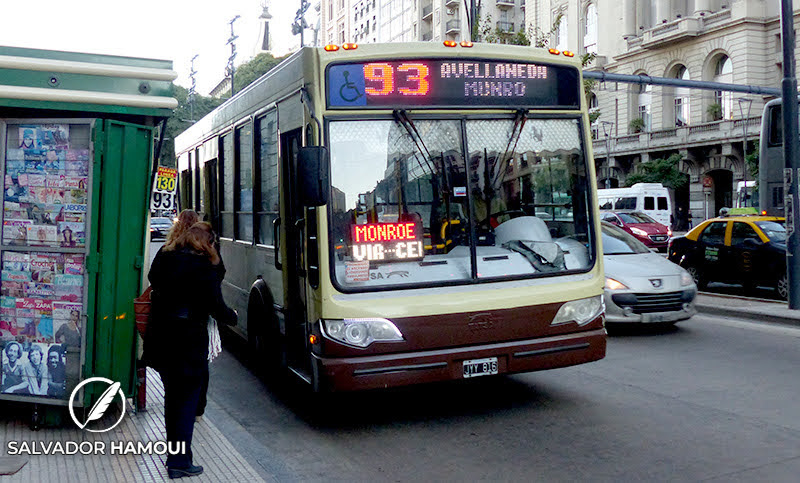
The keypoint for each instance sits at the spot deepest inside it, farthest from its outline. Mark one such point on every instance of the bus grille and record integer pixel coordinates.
(646, 303)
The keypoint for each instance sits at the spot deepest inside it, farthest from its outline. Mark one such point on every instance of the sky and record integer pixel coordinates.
(175, 30)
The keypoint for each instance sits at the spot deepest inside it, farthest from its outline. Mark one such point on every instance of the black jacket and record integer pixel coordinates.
(186, 290)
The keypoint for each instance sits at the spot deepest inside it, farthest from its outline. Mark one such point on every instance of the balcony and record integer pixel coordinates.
(452, 3)
(426, 37)
(452, 26)
(505, 27)
(427, 12)
(696, 135)
(507, 3)
(671, 32)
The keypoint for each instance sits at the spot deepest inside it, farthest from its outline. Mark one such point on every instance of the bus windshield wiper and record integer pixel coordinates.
(401, 118)
(516, 131)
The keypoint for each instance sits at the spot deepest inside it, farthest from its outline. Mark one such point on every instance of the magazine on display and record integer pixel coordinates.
(41, 289)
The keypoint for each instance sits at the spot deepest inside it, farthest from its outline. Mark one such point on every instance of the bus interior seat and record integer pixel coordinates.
(529, 228)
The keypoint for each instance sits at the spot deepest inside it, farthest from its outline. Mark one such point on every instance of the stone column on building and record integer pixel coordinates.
(629, 18)
(663, 8)
(702, 7)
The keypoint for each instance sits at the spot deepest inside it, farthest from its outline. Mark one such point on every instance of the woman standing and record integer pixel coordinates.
(186, 290)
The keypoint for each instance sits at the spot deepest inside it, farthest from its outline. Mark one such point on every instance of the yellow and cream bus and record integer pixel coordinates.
(394, 214)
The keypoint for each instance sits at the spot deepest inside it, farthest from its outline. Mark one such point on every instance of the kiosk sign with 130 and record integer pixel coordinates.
(164, 189)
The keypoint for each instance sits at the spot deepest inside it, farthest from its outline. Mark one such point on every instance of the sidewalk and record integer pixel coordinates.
(211, 449)
(754, 309)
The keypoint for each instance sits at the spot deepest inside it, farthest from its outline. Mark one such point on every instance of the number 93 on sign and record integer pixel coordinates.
(162, 201)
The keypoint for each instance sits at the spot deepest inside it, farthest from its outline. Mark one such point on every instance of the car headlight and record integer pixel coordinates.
(638, 231)
(686, 279)
(612, 284)
(362, 332)
(581, 311)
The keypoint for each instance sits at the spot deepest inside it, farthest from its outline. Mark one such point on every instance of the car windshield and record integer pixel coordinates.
(634, 218)
(774, 231)
(409, 206)
(618, 242)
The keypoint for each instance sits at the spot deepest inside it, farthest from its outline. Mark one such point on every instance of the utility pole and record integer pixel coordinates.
(300, 25)
(791, 172)
(192, 89)
(230, 69)
(745, 119)
(608, 127)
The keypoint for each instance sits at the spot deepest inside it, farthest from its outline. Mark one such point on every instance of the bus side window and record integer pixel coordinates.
(662, 203)
(649, 203)
(606, 205)
(226, 205)
(267, 127)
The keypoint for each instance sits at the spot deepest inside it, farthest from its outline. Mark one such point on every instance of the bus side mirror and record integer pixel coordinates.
(312, 175)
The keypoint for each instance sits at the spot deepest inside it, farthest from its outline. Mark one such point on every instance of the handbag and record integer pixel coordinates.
(141, 310)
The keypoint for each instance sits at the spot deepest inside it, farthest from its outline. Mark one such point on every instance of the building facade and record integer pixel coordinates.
(730, 41)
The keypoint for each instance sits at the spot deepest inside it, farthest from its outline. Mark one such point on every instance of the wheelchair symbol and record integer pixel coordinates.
(350, 88)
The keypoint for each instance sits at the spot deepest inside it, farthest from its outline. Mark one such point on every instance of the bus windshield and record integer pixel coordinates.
(409, 206)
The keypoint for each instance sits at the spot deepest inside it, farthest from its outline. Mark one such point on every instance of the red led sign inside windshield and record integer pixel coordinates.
(386, 241)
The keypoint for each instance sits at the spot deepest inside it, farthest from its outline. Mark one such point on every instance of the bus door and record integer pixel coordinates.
(292, 254)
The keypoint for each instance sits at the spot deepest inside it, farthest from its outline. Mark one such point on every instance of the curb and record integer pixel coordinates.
(778, 314)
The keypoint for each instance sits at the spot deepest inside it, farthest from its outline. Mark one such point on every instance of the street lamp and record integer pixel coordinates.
(745, 101)
(607, 129)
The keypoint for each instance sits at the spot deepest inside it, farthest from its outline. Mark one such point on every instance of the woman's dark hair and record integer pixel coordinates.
(186, 219)
(199, 238)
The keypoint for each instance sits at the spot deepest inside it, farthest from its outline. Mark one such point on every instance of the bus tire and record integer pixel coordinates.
(263, 334)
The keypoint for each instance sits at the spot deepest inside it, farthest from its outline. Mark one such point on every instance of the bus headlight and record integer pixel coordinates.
(362, 332)
(581, 311)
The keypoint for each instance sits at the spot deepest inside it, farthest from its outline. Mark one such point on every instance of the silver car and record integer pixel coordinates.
(642, 286)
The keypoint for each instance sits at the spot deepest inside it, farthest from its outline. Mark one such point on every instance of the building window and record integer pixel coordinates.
(723, 72)
(682, 112)
(562, 30)
(590, 30)
(643, 102)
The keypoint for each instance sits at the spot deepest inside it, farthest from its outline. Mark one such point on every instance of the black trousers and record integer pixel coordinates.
(182, 388)
(203, 400)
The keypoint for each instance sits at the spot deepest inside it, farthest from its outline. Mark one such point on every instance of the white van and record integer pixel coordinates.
(652, 199)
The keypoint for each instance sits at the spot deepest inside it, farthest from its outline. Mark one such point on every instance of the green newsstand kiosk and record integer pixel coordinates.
(77, 137)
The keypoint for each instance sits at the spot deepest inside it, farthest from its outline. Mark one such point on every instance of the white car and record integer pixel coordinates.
(643, 286)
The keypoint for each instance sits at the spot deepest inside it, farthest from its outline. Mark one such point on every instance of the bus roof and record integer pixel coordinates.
(304, 69)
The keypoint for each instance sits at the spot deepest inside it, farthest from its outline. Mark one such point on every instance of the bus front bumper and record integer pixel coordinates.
(372, 372)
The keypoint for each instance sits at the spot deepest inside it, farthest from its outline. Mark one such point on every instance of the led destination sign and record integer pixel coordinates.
(386, 242)
(451, 83)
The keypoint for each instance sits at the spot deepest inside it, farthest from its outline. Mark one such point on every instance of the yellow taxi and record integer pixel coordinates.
(740, 248)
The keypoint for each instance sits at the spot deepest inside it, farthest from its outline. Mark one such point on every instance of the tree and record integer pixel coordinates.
(186, 115)
(253, 69)
(664, 171)
(181, 119)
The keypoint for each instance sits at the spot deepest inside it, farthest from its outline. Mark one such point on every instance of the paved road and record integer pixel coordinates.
(714, 399)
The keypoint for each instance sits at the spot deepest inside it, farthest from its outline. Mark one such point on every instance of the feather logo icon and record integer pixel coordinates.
(101, 406)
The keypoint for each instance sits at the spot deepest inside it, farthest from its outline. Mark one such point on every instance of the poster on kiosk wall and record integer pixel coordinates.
(42, 258)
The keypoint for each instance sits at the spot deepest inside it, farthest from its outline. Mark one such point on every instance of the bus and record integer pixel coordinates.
(377, 212)
(770, 160)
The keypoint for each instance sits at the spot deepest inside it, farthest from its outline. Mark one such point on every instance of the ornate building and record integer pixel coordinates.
(730, 41)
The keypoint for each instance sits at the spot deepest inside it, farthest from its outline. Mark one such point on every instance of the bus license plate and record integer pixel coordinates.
(480, 367)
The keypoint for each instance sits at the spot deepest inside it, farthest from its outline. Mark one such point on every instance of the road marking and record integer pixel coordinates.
(766, 327)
